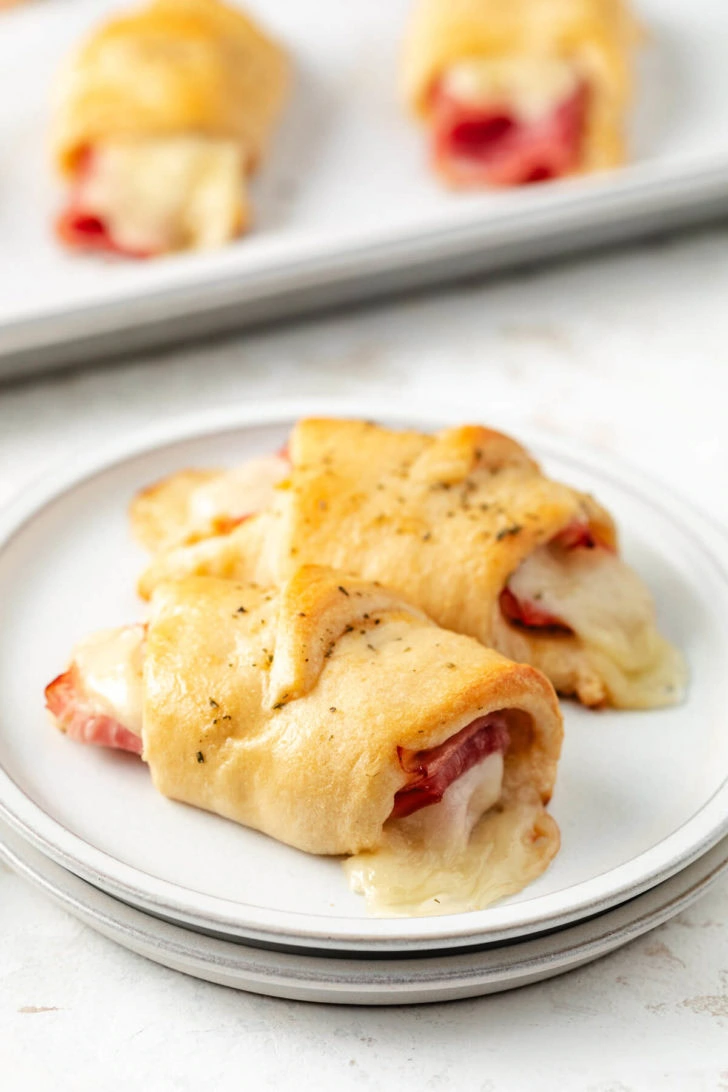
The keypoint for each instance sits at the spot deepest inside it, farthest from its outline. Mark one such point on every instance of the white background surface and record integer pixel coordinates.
(627, 352)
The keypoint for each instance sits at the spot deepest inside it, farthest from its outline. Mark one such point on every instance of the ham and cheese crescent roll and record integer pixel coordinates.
(466, 525)
(518, 91)
(160, 118)
(334, 716)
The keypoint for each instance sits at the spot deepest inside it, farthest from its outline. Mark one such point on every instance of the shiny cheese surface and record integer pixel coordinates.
(167, 194)
(110, 664)
(511, 845)
(531, 87)
(612, 613)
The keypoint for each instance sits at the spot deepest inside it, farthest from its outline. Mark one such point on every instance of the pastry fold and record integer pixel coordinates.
(171, 68)
(334, 716)
(161, 116)
(595, 37)
(466, 525)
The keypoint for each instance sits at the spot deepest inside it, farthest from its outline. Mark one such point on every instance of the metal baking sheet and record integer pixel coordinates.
(345, 206)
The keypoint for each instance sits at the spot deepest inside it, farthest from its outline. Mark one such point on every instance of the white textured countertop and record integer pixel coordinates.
(628, 352)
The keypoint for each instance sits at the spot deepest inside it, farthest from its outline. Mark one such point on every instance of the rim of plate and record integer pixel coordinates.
(174, 902)
(392, 980)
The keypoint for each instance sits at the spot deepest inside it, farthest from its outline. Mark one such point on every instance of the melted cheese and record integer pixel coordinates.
(110, 664)
(612, 613)
(166, 194)
(531, 86)
(235, 493)
(448, 824)
(513, 843)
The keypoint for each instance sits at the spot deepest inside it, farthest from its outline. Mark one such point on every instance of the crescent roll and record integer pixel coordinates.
(520, 91)
(467, 526)
(160, 118)
(334, 716)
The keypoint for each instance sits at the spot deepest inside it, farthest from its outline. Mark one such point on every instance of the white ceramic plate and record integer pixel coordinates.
(345, 205)
(639, 795)
(373, 981)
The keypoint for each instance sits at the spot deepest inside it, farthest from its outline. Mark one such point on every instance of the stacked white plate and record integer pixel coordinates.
(642, 798)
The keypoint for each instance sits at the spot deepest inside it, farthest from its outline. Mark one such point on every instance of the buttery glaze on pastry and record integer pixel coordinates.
(160, 118)
(337, 718)
(464, 524)
(521, 91)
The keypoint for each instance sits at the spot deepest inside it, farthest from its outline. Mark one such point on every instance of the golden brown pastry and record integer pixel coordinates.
(520, 91)
(337, 718)
(467, 526)
(161, 117)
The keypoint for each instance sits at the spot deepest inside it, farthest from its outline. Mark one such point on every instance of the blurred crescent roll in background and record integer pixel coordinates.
(160, 118)
(520, 91)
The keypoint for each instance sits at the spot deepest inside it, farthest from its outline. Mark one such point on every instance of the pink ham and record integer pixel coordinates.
(435, 770)
(80, 719)
(475, 145)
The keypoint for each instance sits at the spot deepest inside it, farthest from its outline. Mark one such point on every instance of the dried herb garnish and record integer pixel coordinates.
(200, 756)
(343, 591)
(213, 704)
(507, 531)
(241, 610)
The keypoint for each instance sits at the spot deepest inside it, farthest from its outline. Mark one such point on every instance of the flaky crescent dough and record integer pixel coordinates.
(598, 34)
(284, 710)
(173, 67)
(445, 519)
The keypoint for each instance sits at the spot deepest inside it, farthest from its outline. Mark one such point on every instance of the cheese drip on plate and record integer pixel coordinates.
(168, 194)
(530, 86)
(475, 846)
(418, 871)
(611, 612)
(110, 664)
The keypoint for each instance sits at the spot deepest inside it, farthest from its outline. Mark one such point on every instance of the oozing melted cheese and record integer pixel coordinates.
(239, 492)
(110, 664)
(166, 194)
(612, 613)
(471, 849)
(531, 86)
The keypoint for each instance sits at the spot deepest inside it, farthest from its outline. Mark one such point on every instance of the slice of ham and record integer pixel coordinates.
(79, 717)
(433, 771)
(477, 145)
(80, 230)
(577, 536)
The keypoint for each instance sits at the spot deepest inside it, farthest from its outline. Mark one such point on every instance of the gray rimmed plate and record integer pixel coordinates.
(380, 980)
(639, 796)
